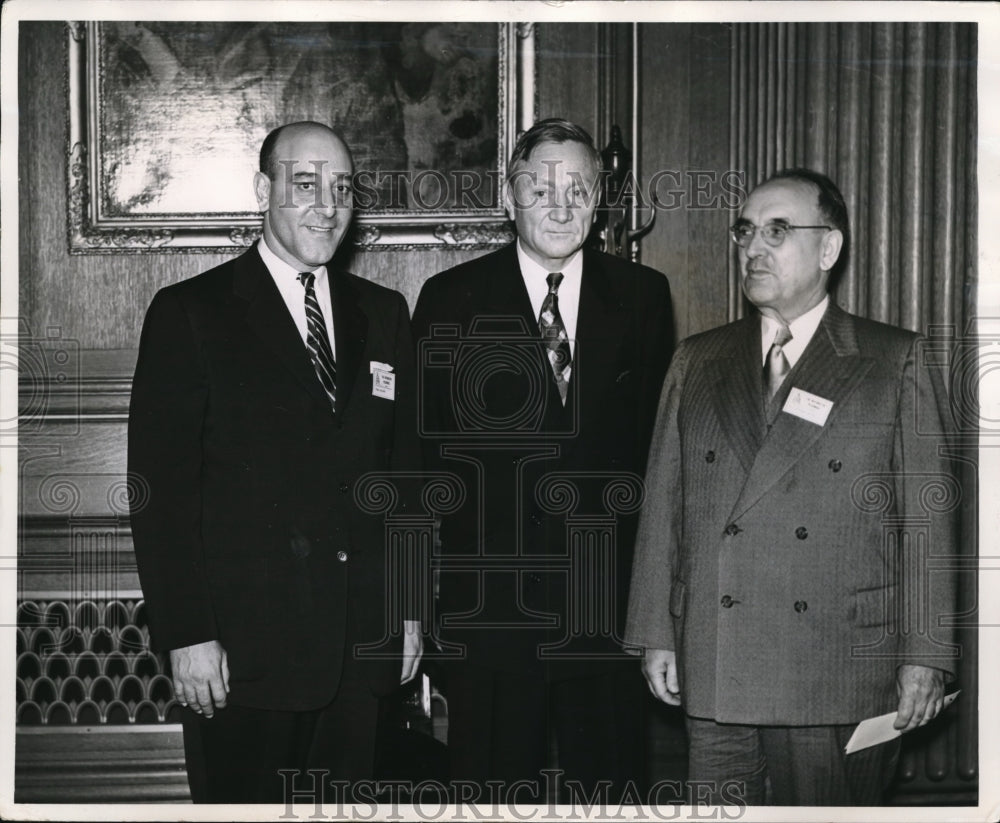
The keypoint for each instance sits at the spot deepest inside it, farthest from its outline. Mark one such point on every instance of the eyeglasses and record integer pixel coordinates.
(774, 234)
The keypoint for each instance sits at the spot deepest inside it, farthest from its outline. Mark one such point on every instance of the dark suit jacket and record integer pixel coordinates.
(250, 534)
(769, 560)
(532, 469)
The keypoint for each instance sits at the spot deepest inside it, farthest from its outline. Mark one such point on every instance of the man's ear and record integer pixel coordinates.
(509, 200)
(596, 193)
(262, 190)
(510, 196)
(830, 249)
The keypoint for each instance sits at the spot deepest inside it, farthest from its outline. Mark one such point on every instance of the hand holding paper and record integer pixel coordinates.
(880, 729)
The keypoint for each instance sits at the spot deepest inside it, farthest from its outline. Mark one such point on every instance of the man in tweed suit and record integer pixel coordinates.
(770, 597)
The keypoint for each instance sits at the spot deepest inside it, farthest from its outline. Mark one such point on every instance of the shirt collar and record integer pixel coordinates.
(280, 270)
(802, 328)
(573, 270)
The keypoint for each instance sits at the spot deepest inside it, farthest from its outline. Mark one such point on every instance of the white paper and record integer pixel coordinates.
(808, 406)
(877, 730)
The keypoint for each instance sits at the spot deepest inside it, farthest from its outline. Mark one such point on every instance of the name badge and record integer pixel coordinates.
(383, 380)
(810, 407)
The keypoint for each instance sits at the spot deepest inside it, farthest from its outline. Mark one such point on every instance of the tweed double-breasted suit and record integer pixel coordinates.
(793, 567)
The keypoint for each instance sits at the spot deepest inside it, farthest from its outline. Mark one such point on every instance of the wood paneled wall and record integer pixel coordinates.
(695, 82)
(683, 140)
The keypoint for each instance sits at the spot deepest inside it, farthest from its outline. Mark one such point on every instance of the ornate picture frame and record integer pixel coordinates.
(166, 119)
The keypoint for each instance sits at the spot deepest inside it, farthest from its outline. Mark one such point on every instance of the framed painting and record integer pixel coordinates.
(167, 117)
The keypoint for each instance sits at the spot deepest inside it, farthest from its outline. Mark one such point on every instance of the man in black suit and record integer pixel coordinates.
(541, 365)
(264, 388)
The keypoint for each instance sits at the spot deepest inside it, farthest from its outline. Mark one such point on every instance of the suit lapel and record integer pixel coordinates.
(268, 317)
(736, 391)
(831, 368)
(505, 292)
(350, 327)
(506, 295)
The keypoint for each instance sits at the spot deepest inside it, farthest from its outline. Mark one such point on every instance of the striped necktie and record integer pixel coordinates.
(554, 335)
(317, 340)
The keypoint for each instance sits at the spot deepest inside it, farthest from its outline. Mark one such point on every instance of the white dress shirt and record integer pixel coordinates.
(537, 284)
(802, 328)
(286, 278)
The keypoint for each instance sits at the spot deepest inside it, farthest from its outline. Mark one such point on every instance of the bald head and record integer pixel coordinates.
(269, 149)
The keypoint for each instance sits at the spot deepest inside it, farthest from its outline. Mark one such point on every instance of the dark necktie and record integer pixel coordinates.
(554, 334)
(317, 340)
(776, 366)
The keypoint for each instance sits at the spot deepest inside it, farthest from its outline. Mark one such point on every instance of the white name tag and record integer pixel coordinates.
(809, 407)
(383, 380)
(384, 384)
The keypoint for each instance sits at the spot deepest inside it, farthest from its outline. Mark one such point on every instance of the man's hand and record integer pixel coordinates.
(201, 676)
(659, 667)
(413, 648)
(921, 695)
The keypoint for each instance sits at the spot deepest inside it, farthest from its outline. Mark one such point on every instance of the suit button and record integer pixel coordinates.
(342, 556)
(344, 488)
(835, 465)
(727, 601)
(732, 530)
(802, 532)
(710, 457)
(801, 606)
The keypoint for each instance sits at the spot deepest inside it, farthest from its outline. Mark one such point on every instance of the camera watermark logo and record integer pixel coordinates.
(48, 379)
(967, 366)
(901, 609)
(493, 384)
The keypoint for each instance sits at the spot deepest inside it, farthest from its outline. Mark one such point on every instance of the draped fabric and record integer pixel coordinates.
(888, 111)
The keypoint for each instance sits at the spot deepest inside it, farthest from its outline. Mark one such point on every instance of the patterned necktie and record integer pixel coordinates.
(317, 340)
(554, 335)
(776, 367)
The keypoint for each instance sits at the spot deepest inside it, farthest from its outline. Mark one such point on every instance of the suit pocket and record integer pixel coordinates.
(860, 430)
(874, 607)
(678, 599)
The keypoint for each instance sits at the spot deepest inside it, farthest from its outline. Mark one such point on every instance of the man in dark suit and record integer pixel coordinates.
(264, 388)
(773, 589)
(541, 365)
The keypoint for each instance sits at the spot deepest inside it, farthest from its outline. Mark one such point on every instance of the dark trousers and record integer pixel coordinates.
(238, 755)
(499, 726)
(784, 766)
